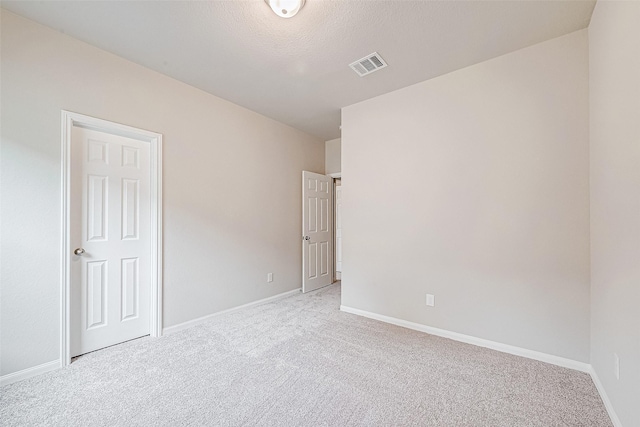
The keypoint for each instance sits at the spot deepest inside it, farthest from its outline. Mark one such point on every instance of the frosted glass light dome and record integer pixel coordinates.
(285, 8)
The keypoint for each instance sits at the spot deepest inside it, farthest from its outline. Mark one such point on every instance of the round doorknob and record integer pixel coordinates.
(78, 251)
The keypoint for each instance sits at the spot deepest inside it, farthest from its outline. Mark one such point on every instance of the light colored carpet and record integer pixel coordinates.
(299, 361)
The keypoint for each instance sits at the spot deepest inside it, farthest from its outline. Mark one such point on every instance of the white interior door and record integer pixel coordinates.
(110, 238)
(317, 245)
(338, 232)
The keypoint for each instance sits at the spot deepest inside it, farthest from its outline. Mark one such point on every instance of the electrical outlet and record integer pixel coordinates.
(431, 300)
(269, 277)
(616, 365)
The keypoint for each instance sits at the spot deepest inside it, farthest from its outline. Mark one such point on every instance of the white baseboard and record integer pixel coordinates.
(29, 372)
(505, 348)
(605, 398)
(199, 320)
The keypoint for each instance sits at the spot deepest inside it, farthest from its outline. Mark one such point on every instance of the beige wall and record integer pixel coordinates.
(614, 78)
(333, 156)
(232, 185)
(474, 186)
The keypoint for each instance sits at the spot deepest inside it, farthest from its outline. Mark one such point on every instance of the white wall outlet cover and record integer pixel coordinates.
(270, 277)
(431, 300)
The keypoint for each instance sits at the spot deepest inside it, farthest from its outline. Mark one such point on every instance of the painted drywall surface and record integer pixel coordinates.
(232, 185)
(474, 186)
(614, 80)
(333, 156)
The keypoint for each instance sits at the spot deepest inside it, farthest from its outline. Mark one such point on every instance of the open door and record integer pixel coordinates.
(317, 231)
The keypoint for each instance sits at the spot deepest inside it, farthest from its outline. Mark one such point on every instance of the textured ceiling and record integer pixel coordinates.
(296, 70)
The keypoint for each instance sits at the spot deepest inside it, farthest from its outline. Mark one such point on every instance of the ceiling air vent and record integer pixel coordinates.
(368, 64)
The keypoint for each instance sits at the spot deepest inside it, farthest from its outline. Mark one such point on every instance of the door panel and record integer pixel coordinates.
(97, 189)
(324, 258)
(130, 207)
(317, 245)
(313, 261)
(110, 220)
(324, 215)
(96, 310)
(130, 288)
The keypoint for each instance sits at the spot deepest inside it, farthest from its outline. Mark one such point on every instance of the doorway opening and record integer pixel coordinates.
(337, 186)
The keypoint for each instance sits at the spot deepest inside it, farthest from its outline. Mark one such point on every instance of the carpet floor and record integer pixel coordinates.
(299, 361)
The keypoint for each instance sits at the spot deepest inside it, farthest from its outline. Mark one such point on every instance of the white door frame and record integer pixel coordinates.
(335, 175)
(70, 119)
(335, 230)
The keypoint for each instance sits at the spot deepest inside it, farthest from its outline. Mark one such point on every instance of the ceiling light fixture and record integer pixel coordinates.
(285, 8)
